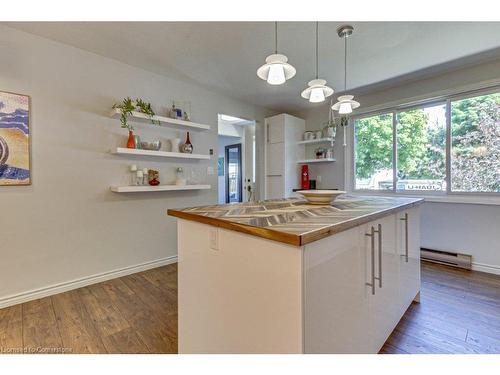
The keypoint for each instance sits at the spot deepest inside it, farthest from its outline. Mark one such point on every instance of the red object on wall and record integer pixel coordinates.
(305, 177)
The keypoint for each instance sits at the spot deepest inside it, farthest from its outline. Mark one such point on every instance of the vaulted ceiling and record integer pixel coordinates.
(224, 56)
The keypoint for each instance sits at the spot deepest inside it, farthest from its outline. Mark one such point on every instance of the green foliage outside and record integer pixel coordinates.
(421, 145)
(475, 129)
(373, 144)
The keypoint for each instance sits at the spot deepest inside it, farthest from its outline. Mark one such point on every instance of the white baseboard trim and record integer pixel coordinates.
(489, 268)
(81, 282)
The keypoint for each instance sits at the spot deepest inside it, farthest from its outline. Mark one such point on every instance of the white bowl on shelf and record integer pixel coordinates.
(320, 197)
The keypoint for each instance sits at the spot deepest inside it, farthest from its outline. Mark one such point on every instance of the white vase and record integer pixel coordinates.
(174, 144)
(180, 181)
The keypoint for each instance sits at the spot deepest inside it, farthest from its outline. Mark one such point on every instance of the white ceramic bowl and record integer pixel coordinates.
(324, 197)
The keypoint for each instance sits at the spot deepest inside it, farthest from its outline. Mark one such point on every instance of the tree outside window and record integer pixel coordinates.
(421, 136)
(475, 144)
(421, 148)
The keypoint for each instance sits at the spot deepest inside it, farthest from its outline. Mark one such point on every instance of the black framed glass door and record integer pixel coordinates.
(233, 173)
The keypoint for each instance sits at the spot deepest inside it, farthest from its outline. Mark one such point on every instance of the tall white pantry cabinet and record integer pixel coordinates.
(283, 132)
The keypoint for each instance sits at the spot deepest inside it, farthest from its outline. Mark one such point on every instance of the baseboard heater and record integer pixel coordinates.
(446, 257)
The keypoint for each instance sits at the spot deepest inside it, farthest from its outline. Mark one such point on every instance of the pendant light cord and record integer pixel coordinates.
(345, 63)
(317, 50)
(276, 37)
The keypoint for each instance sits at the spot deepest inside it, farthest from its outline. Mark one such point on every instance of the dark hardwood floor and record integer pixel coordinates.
(132, 314)
(459, 313)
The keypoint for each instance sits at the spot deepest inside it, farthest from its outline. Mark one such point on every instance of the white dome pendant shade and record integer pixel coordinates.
(317, 91)
(276, 70)
(345, 104)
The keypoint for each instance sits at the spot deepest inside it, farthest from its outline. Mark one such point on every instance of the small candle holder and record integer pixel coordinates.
(139, 177)
(133, 175)
(180, 179)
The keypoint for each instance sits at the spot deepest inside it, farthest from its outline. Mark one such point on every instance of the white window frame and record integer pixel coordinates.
(435, 196)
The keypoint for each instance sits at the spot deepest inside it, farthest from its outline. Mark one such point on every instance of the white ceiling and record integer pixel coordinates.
(224, 56)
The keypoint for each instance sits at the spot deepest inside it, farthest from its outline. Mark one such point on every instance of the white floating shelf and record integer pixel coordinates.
(324, 160)
(165, 154)
(142, 189)
(312, 141)
(164, 121)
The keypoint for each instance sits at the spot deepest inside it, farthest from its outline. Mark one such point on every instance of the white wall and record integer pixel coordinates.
(68, 225)
(229, 129)
(467, 228)
(248, 156)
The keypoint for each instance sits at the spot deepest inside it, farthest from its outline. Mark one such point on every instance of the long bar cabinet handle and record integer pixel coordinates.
(379, 232)
(405, 219)
(372, 235)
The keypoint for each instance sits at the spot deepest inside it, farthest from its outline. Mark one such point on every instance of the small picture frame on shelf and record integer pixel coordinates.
(178, 113)
(175, 112)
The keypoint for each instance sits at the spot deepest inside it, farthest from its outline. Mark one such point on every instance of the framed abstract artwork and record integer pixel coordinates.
(220, 166)
(15, 157)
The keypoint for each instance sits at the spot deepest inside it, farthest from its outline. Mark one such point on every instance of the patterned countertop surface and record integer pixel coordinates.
(294, 221)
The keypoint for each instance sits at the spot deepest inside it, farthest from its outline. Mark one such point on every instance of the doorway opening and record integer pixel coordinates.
(236, 159)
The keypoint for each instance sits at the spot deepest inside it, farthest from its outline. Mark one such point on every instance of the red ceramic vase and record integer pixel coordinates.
(131, 139)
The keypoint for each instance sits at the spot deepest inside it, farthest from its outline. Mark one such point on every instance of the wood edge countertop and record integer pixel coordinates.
(290, 238)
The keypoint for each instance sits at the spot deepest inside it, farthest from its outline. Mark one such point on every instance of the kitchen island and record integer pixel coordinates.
(284, 276)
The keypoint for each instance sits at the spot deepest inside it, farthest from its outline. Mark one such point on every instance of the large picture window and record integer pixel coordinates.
(475, 144)
(405, 150)
(421, 149)
(373, 157)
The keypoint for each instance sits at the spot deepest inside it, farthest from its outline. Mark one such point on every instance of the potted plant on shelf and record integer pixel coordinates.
(145, 107)
(126, 107)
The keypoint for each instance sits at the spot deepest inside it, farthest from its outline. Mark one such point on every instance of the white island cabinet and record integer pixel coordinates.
(246, 287)
(354, 297)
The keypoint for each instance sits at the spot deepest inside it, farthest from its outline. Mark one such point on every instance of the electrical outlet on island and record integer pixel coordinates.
(214, 239)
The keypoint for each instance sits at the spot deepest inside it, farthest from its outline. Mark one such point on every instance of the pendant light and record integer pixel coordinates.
(317, 90)
(276, 70)
(345, 103)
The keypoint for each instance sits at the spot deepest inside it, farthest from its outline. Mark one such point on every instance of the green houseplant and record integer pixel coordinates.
(145, 107)
(126, 107)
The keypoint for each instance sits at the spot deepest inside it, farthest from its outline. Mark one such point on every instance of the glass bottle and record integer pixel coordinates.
(187, 147)
(173, 111)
